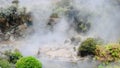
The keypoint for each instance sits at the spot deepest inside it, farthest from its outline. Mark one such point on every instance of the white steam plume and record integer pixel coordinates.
(104, 16)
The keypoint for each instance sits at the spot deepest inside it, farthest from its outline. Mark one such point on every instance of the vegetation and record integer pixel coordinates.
(109, 66)
(104, 53)
(114, 50)
(83, 27)
(87, 47)
(108, 53)
(13, 56)
(11, 19)
(16, 60)
(54, 15)
(4, 64)
(28, 62)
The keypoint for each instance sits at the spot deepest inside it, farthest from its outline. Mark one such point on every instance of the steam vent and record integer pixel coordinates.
(59, 33)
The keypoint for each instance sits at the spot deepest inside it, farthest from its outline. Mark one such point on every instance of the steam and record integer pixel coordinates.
(104, 16)
(45, 35)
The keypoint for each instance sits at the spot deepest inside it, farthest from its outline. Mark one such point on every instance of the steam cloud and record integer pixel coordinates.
(102, 14)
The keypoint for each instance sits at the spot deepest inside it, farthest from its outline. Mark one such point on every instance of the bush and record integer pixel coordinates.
(108, 53)
(102, 54)
(87, 47)
(114, 51)
(4, 64)
(28, 62)
(13, 56)
(54, 15)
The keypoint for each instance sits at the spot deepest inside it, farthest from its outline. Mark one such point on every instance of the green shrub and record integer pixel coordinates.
(13, 56)
(114, 51)
(87, 47)
(54, 15)
(102, 54)
(108, 53)
(4, 64)
(28, 62)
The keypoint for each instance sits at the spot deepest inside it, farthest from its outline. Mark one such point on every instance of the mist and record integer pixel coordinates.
(102, 14)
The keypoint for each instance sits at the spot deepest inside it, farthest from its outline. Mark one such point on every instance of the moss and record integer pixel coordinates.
(28, 62)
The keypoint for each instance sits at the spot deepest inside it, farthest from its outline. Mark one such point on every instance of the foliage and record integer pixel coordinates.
(87, 47)
(108, 53)
(83, 26)
(28, 62)
(102, 54)
(108, 66)
(13, 56)
(54, 15)
(114, 51)
(4, 63)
